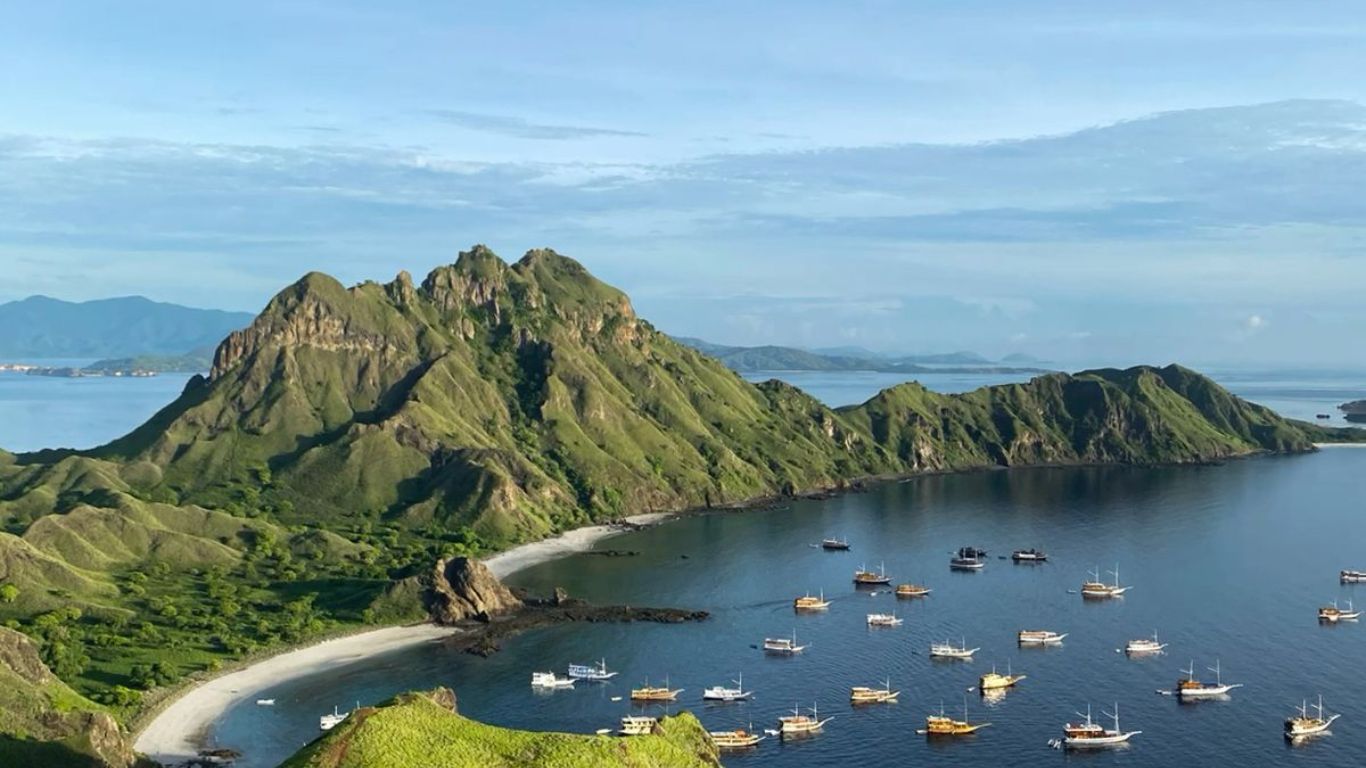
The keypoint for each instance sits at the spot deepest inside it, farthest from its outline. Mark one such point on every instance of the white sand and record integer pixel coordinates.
(179, 731)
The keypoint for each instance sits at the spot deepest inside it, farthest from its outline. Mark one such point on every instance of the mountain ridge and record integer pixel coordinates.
(124, 326)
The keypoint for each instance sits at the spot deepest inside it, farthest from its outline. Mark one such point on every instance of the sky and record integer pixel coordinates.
(1113, 182)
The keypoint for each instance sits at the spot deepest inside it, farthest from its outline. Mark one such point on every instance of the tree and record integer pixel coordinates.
(8, 593)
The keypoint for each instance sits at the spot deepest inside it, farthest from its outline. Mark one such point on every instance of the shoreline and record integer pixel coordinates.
(180, 730)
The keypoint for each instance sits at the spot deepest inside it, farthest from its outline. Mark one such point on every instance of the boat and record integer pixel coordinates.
(549, 680)
(1303, 726)
(328, 722)
(591, 672)
(1352, 577)
(1332, 614)
(655, 693)
(835, 545)
(265, 702)
(1040, 637)
(638, 725)
(883, 620)
(722, 693)
(968, 559)
(865, 695)
(1099, 589)
(947, 650)
(783, 645)
(866, 578)
(739, 738)
(1144, 645)
(994, 681)
(911, 590)
(942, 725)
(1190, 688)
(1089, 734)
(809, 602)
(797, 724)
(1029, 556)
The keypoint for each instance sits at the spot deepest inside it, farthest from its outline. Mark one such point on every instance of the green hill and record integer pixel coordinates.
(421, 730)
(43, 327)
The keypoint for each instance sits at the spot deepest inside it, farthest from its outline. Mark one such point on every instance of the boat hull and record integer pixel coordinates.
(1098, 742)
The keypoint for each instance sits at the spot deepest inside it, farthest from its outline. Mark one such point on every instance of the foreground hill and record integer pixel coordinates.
(348, 438)
(42, 327)
(422, 730)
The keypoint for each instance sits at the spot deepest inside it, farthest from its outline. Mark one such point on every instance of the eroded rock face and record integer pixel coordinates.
(466, 589)
(18, 653)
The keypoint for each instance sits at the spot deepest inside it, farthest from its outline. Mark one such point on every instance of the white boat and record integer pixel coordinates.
(591, 672)
(862, 694)
(1349, 576)
(947, 650)
(722, 693)
(783, 646)
(883, 620)
(1088, 734)
(968, 559)
(1095, 588)
(1144, 645)
(328, 722)
(1040, 637)
(1304, 726)
(1029, 556)
(549, 681)
(797, 724)
(1190, 688)
(1332, 614)
(265, 702)
(637, 725)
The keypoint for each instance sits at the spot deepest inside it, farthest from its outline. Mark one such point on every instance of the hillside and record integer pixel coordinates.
(348, 438)
(43, 327)
(422, 730)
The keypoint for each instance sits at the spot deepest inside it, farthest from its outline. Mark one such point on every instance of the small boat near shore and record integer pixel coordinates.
(1332, 614)
(798, 724)
(783, 646)
(912, 590)
(968, 559)
(943, 725)
(1352, 577)
(738, 738)
(1029, 556)
(865, 695)
(1302, 726)
(1097, 589)
(265, 702)
(1190, 688)
(591, 672)
(638, 725)
(655, 693)
(883, 620)
(947, 650)
(328, 722)
(810, 602)
(550, 681)
(866, 578)
(1146, 645)
(1090, 735)
(1040, 637)
(722, 693)
(835, 545)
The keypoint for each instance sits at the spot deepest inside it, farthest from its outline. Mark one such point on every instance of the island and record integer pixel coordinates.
(1354, 411)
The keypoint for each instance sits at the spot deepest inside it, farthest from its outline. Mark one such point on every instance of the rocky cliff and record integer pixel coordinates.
(463, 588)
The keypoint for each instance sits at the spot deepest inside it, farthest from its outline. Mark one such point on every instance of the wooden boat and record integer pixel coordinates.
(1097, 589)
(865, 695)
(809, 602)
(1303, 726)
(638, 725)
(1144, 645)
(1190, 688)
(866, 578)
(1332, 614)
(591, 672)
(947, 650)
(798, 724)
(722, 693)
(783, 646)
(942, 725)
(1040, 637)
(1029, 556)
(328, 722)
(655, 693)
(1089, 734)
(1352, 577)
(911, 590)
(736, 739)
(835, 545)
(994, 681)
(883, 620)
(968, 559)
(550, 680)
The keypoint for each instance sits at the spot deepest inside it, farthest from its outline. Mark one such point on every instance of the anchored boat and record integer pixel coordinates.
(655, 693)
(736, 739)
(947, 650)
(809, 602)
(1332, 614)
(865, 695)
(1352, 577)
(798, 724)
(591, 672)
(836, 545)
(883, 620)
(1040, 637)
(968, 559)
(783, 646)
(328, 722)
(994, 681)
(1190, 688)
(1029, 556)
(1303, 726)
(549, 680)
(942, 725)
(1144, 645)
(866, 578)
(1090, 734)
(911, 590)
(1095, 588)
(637, 725)
(722, 693)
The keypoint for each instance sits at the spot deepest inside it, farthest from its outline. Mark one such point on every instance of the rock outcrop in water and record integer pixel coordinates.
(464, 588)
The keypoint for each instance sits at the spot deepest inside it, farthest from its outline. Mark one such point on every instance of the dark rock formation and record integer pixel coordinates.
(464, 589)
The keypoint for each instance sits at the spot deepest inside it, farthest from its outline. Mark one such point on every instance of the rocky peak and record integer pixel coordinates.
(463, 588)
(401, 290)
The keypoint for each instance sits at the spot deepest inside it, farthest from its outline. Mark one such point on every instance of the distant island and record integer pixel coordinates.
(41, 327)
(1355, 411)
(779, 358)
(141, 366)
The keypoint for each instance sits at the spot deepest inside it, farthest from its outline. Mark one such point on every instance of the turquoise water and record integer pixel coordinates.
(49, 412)
(1227, 563)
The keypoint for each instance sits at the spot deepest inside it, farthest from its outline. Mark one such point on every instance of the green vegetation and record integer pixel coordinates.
(773, 358)
(194, 361)
(349, 438)
(418, 730)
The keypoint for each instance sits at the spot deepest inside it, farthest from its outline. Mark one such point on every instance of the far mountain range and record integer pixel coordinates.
(776, 358)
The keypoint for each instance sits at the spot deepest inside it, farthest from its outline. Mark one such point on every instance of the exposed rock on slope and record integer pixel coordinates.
(463, 588)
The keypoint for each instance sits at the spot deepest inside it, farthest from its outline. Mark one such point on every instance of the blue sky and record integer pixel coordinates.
(1100, 182)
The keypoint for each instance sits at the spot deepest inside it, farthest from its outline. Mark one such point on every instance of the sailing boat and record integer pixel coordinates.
(591, 672)
(797, 724)
(722, 693)
(1099, 589)
(783, 646)
(883, 620)
(866, 695)
(739, 738)
(1332, 614)
(810, 602)
(1190, 688)
(942, 725)
(328, 722)
(1305, 726)
(947, 650)
(866, 578)
(1144, 645)
(655, 693)
(992, 681)
(1091, 734)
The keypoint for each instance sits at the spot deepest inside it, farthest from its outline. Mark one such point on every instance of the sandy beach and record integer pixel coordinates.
(179, 732)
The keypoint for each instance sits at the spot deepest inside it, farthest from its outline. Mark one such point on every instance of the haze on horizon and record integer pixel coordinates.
(1078, 181)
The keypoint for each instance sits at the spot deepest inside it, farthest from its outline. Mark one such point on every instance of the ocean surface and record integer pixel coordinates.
(1227, 563)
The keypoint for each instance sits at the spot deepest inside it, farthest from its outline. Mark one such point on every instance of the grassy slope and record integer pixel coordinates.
(414, 731)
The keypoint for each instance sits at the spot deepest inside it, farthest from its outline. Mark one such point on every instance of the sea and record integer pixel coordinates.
(1227, 564)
